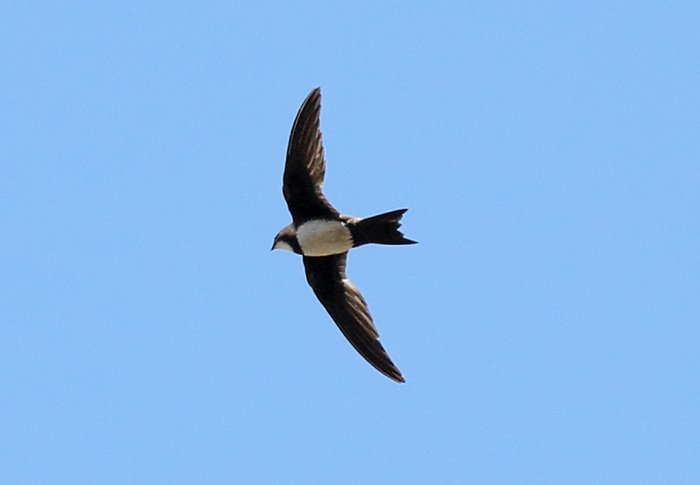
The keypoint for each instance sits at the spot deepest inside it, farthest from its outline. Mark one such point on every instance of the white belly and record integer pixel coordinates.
(323, 238)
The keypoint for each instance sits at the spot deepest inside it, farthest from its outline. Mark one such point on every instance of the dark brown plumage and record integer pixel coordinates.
(304, 171)
(306, 167)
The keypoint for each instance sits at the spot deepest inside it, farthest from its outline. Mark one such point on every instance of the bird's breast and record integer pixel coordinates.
(322, 237)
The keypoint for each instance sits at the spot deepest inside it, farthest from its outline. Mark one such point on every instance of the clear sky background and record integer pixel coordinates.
(548, 323)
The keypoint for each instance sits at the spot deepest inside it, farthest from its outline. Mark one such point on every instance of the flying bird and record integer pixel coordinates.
(323, 236)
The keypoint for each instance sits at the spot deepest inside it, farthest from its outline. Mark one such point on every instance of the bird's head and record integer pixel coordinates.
(287, 239)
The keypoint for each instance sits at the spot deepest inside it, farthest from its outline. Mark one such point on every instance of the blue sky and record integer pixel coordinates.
(547, 324)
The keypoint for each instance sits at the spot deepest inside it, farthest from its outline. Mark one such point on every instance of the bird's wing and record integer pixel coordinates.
(305, 166)
(345, 304)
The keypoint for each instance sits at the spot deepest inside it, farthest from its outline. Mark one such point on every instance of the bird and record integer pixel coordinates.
(323, 236)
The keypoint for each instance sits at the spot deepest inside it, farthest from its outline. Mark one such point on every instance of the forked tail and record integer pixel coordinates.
(380, 229)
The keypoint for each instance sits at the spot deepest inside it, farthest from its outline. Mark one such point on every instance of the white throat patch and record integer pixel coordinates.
(283, 245)
(323, 238)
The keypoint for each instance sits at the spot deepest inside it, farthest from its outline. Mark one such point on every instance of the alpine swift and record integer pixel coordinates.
(323, 236)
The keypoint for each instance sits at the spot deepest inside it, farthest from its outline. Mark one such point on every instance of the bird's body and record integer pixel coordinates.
(324, 236)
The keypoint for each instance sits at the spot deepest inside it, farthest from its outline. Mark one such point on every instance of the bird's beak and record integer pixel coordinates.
(274, 243)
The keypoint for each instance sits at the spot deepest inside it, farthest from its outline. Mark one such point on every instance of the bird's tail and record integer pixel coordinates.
(380, 229)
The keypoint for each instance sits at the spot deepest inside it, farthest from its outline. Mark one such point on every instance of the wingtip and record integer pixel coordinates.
(393, 374)
(315, 93)
(390, 370)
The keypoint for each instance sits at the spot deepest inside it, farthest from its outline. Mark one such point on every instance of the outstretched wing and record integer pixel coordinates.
(305, 166)
(345, 304)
